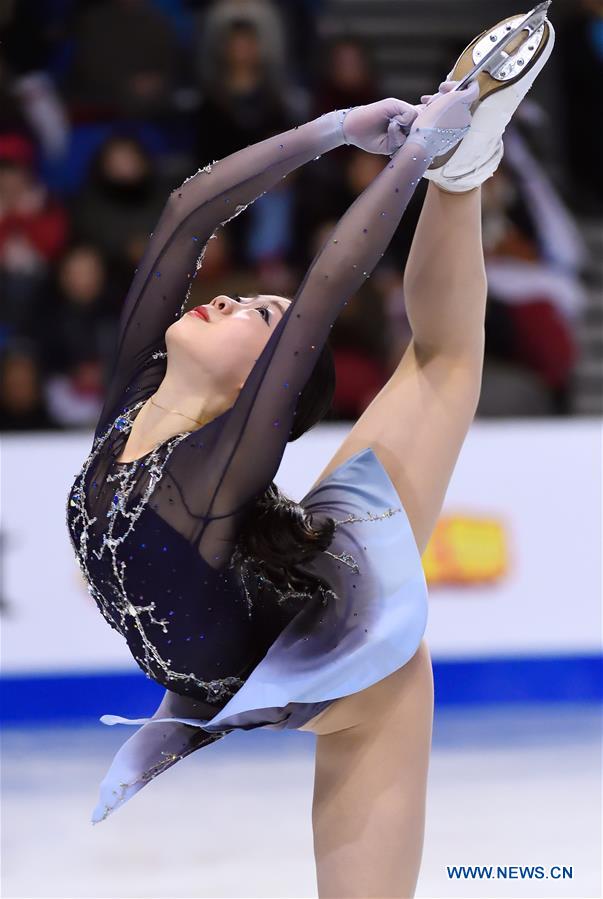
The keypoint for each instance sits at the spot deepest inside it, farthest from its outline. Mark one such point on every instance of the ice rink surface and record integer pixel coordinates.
(508, 786)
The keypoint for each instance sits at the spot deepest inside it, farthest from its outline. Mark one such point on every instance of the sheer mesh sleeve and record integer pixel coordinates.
(211, 197)
(247, 451)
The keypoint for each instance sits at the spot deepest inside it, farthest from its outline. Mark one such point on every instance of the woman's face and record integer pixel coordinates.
(223, 349)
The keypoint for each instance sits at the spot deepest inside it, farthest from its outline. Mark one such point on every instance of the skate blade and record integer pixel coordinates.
(489, 53)
(494, 68)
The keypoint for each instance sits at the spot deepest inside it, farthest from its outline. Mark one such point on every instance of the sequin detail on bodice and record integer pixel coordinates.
(118, 609)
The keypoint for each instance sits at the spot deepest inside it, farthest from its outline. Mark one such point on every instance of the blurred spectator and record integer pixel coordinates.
(580, 49)
(244, 102)
(22, 404)
(121, 202)
(534, 255)
(79, 320)
(75, 399)
(125, 59)
(347, 76)
(287, 32)
(33, 231)
(258, 18)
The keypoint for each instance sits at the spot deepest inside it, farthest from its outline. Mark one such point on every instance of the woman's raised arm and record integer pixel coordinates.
(246, 454)
(193, 211)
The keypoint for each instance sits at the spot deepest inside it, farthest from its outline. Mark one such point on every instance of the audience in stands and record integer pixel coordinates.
(534, 255)
(120, 201)
(124, 59)
(105, 107)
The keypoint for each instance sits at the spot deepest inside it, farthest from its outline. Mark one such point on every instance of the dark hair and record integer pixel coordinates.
(278, 533)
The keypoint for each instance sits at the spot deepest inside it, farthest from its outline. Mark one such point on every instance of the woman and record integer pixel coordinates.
(252, 610)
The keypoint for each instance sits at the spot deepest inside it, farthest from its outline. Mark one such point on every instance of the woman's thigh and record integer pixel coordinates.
(414, 679)
(370, 785)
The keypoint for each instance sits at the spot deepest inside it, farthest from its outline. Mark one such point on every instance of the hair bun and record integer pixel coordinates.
(278, 536)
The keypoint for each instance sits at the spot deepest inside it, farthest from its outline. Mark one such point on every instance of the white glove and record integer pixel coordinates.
(444, 120)
(379, 127)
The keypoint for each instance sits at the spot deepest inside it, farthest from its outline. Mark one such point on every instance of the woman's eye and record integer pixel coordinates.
(264, 309)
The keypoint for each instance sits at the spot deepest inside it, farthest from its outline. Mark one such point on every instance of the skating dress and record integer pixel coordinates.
(154, 538)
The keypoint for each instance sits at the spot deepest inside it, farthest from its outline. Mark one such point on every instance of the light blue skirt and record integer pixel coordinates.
(373, 565)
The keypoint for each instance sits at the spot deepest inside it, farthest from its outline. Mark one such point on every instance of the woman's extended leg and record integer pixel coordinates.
(373, 746)
(370, 786)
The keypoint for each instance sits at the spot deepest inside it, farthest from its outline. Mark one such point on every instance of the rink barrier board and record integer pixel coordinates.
(31, 699)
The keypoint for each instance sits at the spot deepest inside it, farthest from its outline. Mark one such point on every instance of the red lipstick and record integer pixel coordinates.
(201, 311)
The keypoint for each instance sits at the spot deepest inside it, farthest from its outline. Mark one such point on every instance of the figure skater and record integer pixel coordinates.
(250, 609)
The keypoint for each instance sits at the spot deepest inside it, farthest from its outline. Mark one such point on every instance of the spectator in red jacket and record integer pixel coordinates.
(33, 230)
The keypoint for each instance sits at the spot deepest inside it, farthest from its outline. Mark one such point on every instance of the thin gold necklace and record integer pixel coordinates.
(176, 411)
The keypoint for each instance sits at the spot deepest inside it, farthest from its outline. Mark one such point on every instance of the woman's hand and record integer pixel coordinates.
(379, 127)
(445, 116)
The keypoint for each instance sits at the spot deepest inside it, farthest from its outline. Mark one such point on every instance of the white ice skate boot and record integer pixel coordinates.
(505, 60)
